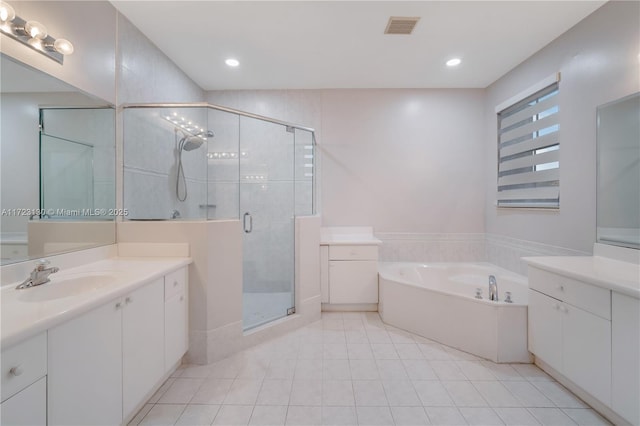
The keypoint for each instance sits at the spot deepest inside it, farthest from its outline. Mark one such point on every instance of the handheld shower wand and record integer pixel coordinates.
(188, 143)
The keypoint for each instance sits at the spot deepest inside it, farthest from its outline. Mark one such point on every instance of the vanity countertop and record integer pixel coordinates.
(30, 311)
(621, 277)
(348, 236)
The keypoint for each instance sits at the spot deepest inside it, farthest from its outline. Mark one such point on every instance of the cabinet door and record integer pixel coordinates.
(142, 344)
(545, 328)
(28, 407)
(625, 352)
(85, 369)
(587, 351)
(353, 281)
(324, 274)
(175, 329)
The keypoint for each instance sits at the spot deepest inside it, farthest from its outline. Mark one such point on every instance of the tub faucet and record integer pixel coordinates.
(493, 288)
(39, 276)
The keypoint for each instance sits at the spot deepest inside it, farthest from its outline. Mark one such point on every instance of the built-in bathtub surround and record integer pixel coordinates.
(449, 303)
(437, 247)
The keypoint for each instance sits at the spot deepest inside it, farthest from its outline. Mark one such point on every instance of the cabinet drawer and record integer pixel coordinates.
(353, 252)
(23, 364)
(174, 283)
(593, 299)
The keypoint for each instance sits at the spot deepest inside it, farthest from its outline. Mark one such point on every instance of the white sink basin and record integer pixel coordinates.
(67, 286)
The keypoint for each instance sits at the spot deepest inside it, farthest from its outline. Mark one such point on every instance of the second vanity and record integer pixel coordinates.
(584, 329)
(92, 346)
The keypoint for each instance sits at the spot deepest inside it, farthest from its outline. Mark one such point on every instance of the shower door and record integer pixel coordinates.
(267, 216)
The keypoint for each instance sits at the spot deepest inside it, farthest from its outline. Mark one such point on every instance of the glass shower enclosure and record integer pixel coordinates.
(205, 162)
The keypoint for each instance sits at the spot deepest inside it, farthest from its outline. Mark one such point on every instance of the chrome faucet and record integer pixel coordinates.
(39, 276)
(493, 288)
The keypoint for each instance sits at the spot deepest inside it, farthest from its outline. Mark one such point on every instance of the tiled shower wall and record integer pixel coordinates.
(499, 250)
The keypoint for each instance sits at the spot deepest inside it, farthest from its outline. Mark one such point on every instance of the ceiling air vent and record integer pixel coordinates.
(401, 25)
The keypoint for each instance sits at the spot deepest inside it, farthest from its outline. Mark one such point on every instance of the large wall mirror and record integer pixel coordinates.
(618, 215)
(57, 170)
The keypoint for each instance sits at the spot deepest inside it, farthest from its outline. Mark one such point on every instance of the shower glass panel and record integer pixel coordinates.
(267, 211)
(223, 159)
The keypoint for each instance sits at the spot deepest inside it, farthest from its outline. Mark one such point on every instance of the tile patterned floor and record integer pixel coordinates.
(351, 369)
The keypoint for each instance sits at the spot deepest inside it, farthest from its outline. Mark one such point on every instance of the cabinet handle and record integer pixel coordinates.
(565, 309)
(175, 283)
(181, 298)
(561, 288)
(557, 307)
(16, 371)
(128, 300)
(118, 305)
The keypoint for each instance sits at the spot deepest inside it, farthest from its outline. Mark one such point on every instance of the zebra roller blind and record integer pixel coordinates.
(529, 151)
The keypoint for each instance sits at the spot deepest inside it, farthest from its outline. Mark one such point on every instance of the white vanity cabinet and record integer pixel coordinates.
(350, 274)
(625, 340)
(24, 393)
(85, 368)
(142, 344)
(175, 317)
(570, 330)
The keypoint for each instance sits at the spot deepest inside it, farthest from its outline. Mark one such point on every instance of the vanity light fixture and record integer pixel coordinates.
(454, 62)
(33, 34)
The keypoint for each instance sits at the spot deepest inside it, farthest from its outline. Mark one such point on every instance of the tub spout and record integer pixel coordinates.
(493, 288)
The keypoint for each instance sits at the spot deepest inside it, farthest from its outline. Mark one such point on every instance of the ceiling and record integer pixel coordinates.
(341, 44)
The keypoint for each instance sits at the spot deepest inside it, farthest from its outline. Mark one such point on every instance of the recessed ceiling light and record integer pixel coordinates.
(232, 62)
(454, 62)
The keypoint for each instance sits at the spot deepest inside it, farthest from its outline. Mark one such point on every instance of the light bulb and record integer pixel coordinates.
(63, 46)
(36, 30)
(454, 62)
(7, 14)
(232, 62)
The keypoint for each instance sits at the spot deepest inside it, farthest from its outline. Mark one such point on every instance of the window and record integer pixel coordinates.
(529, 151)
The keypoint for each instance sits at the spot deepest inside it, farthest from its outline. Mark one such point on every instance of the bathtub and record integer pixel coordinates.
(437, 301)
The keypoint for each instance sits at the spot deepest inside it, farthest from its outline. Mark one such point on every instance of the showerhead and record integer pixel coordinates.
(189, 143)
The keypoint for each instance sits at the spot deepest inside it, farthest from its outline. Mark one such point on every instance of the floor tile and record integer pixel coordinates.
(370, 416)
(447, 370)
(434, 352)
(353, 324)
(339, 416)
(281, 369)
(359, 351)
(401, 393)
(458, 355)
(503, 371)
(274, 392)
(384, 351)
(198, 415)
(585, 416)
(551, 417)
(163, 414)
(243, 392)
(232, 415)
(419, 369)
(140, 415)
(336, 369)
(496, 394)
(181, 391)
(337, 393)
(212, 391)
(227, 368)
(391, 369)
(254, 369)
(269, 415)
(303, 416)
(161, 391)
(516, 416)
(474, 370)
(306, 392)
(311, 351)
(335, 351)
(334, 336)
(364, 369)
(445, 416)
(308, 369)
(356, 336)
(527, 394)
(409, 416)
(196, 371)
(399, 336)
(559, 395)
(464, 394)
(409, 351)
(481, 416)
(432, 393)
(531, 372)
(378, 336)
(369, 393)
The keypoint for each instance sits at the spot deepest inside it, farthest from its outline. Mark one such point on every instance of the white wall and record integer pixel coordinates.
(599, 62)
(397, 160)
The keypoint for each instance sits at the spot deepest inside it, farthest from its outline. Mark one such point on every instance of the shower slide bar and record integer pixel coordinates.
(225, 109)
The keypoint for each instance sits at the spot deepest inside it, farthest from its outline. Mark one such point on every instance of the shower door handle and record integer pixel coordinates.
(244, 220)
